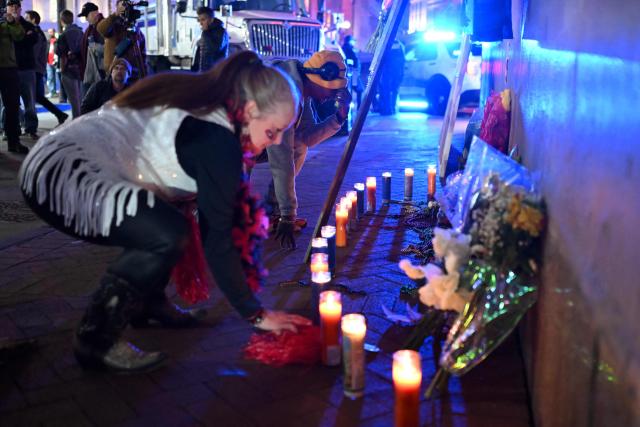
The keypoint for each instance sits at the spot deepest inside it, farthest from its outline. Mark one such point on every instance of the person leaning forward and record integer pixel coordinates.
(182, 135)
(320, 79)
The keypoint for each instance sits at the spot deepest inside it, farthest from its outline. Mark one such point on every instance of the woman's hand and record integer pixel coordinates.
(278, 321)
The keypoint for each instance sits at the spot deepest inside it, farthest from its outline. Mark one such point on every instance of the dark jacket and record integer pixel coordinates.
(213, 45)
(10, 33)
(41, 52)
(68, 51)
(24, 47)
(90, 32)
(97, 95)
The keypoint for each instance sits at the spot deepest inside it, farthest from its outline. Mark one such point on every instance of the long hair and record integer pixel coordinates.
(230, 84)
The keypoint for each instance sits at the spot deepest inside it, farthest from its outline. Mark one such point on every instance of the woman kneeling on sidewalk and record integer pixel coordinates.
(110, 178)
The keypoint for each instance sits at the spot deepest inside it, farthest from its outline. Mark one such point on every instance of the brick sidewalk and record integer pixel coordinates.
(46, 278)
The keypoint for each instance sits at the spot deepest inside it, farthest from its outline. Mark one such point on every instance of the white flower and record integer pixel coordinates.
(452, 246)
(441, 292)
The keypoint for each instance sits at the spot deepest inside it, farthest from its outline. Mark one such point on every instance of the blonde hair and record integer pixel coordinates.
(231, 83)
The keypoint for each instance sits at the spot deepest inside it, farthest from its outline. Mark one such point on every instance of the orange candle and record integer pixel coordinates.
(342, 216)
(353, 213)
(347, 204)
(371, 194)
(407, 377)
(319, 262)
(431, 181)
(330, 312)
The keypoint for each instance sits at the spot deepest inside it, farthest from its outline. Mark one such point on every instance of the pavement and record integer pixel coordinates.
(46, 278)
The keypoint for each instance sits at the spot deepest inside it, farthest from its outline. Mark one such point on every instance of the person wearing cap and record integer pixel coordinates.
(92, 50)
(101, 92)
(10, 32)
(26, 68)
(286, 160)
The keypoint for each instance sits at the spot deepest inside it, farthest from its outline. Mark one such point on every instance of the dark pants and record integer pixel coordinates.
(42, 100)
(153, 241)
(10, 91)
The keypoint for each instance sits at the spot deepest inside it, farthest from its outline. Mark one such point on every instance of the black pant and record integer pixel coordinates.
(153, 241)
(10, 92)
(42, 100)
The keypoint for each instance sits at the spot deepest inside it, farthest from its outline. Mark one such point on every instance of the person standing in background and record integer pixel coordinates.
(68, 50)
(26, 68)
(213, 44)
(40, 58)
(52, 59)
(10, 32)
(92, 51)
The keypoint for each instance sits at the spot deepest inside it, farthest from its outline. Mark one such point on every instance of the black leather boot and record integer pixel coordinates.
(158, 310)
(97, 342)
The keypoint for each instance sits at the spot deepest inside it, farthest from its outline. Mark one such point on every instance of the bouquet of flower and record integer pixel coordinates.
(488, 265)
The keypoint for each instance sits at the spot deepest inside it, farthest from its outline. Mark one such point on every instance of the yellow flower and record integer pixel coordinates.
(524, 217)
(505, 97)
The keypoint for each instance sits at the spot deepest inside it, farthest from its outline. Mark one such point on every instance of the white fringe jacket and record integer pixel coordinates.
(92, 168)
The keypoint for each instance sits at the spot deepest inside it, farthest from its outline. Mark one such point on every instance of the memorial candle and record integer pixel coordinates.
(342, 217)
(346, 204)
(408, 184)
(354, 328)
(431, 181)
(319, 277)
(371, 194)
(386, 188)
(353, 213)
(359, 187)
(330, 312)
(329, 233)
(407, 377)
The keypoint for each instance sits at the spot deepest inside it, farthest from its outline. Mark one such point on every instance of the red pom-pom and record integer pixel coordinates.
(287, 348)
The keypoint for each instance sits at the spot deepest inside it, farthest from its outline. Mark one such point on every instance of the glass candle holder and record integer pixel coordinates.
(330, 308)
(408, 184)
(359, 187)
(329, 233)
(407, 378)
(431, 181)
(371, 194)
(386, 188)
(342, 216)
(353, 213)
(354, 329)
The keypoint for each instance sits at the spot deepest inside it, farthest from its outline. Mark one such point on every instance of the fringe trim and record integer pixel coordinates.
(61, 171)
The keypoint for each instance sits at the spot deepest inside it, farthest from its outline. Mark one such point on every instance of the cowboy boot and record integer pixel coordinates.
(157, 309)
(97, 342)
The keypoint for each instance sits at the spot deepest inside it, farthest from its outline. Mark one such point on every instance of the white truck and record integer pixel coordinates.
(271, 28)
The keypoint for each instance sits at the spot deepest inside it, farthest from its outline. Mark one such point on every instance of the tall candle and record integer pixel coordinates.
(354, 328)
(408, 183)
(353, 213)
(329, 233)
(359, 187)
(342, 217)
(407, 377)
(330, 312)
(431, 181)
(371, 194)
(346, 204)
(386, 187)
(319, 277)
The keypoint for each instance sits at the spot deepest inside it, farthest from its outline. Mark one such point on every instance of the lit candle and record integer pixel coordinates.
(353, 213)
(346, 204)
(319, 277)
(431, 181)
(359, 187)
(342, 216)
(330, 312)
(407, 376)
(408, 183)
(371, 194)
(386, 188)
(354, 329)
(329, 233)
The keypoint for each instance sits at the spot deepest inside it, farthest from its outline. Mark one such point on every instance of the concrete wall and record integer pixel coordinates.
(576, 120)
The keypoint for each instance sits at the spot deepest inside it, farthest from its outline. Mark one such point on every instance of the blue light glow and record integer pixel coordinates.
(438, 36)
(412, 104)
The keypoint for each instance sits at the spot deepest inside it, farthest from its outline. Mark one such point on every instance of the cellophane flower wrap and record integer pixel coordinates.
(494, 129)
(486, 265)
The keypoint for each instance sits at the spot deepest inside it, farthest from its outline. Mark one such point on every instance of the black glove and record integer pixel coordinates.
(284, 232)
